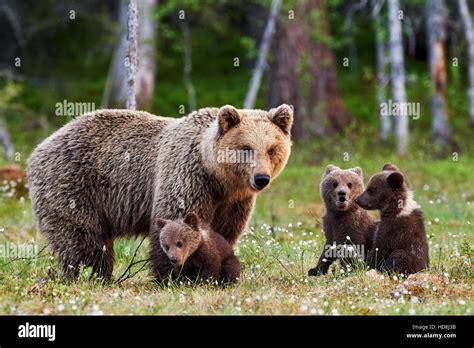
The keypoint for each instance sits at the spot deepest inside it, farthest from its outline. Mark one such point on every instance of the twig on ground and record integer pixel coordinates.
(126, 274)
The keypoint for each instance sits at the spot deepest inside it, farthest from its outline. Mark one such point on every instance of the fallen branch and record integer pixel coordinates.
(125, 274)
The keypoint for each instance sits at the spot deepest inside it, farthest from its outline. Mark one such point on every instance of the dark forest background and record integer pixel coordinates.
(330, 59)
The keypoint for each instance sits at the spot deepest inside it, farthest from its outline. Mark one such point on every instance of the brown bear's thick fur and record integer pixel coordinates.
(400, 244)
(343, 218)
(196, 251)
(111, 173)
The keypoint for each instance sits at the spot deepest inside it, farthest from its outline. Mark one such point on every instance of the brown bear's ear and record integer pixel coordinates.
(282, 116)
(161, 223)
(330, 168)
(228, 117)
(358, 171)
(192, 220)
(390, 166)
(395, 180)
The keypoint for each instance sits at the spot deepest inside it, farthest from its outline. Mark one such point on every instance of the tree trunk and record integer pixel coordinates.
(436, 32)
(132, 57)
(398, 74)
(145, 83)
(303, 73)
(284, 73)
(468, 29)
(325, 105)
(262, 56)
(381, 62)
(7, 143)
(115, 91)
(188, 60)
(116, 87)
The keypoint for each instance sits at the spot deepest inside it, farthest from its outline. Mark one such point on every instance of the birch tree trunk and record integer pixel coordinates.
(436, 14)
(468, 29)
(381, 62)
(115, 91)
(145, 83)
(132, 57)
(262, 55)
(188, 60)
(7, 143)
(398, 74)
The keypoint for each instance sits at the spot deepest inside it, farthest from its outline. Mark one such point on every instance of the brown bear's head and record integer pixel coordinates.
(180, 239)
(249, 148)
(339, 188)
(386, 191)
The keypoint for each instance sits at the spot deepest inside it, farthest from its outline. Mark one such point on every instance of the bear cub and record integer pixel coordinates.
(348, 229)
(195, 251)
(400, 244)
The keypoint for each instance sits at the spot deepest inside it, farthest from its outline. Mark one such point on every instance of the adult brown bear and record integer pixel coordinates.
(110, 173)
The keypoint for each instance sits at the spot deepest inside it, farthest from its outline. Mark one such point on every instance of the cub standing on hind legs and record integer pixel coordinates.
(343, 218)
(400, 244)
(196, 251)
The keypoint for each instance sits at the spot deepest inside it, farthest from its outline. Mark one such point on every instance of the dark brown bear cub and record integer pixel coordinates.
(195, 251)
(400, 240)
(348, 229)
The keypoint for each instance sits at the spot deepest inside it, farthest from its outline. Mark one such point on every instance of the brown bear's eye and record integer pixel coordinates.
(349, 185)
(334, 184)
(370, 191)
(179, 244)
(167, 246)
(271, 151)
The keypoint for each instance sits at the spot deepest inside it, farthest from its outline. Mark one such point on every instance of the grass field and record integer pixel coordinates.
(283, 242)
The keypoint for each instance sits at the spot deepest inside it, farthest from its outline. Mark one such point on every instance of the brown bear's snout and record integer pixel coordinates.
(363, 203)
(341, 194)
(261, 181)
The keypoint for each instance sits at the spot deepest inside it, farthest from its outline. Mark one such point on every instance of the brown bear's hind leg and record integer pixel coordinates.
(231, 269)
(76, 245)
(402, 261)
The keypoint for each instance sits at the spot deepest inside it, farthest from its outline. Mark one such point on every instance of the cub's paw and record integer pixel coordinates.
(315, 271)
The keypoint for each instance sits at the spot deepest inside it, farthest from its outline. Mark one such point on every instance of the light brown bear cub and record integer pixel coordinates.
(197, 252)
(348, 229)
(400, 244)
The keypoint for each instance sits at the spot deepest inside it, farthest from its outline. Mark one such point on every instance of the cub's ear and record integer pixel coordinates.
(395, 180)
(227, 117)
(330, 168)
(282, 116)
(390, 166)
(192, 220)
(358, 171)
(161, 223)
